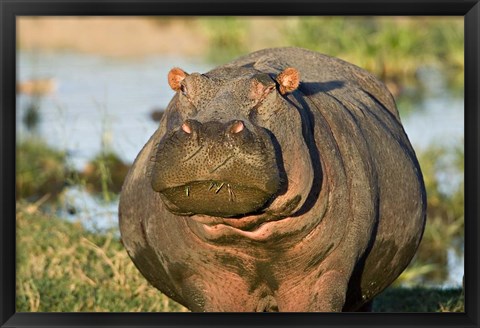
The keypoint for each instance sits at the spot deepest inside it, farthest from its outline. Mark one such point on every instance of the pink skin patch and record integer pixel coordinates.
(186, 128)
(237, 127)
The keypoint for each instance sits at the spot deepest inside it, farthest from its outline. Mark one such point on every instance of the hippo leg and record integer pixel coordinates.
(330, 291)
(319, 292)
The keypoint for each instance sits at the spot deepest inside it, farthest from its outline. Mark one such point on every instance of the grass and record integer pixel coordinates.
(61, 267)
(40, 170)
(420, 300)
(104, 174)
(228, 37)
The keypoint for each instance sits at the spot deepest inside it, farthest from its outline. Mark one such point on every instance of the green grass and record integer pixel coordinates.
(41, 171)
(385, 45)
(228, 37)
(104, 174)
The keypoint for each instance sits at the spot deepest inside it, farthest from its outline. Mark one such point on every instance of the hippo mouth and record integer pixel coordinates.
(216, 169)
(215, 198)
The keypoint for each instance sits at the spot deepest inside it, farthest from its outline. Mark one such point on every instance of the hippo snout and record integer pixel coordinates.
(219, 168)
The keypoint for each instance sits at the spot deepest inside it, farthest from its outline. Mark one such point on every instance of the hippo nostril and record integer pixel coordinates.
(236, 127)
(186, 127)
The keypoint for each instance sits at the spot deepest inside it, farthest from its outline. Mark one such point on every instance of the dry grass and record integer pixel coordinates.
(63, 268)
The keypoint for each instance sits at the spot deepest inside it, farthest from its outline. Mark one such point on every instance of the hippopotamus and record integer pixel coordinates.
(281, 181)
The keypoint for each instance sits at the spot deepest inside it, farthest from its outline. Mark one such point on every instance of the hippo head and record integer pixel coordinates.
(219, 155)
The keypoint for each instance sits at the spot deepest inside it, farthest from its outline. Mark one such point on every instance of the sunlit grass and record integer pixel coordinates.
(61, 267)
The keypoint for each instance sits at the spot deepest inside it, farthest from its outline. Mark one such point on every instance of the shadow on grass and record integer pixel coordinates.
(420, 299)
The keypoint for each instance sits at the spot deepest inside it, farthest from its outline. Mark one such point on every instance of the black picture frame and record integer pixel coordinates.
(10, 9)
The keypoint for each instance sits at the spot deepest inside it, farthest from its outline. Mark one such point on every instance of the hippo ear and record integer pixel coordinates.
(289, 80)
(175, 77)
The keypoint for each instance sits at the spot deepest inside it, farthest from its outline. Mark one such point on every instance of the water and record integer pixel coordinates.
(437, 118)
(105, 102)
(99, 99)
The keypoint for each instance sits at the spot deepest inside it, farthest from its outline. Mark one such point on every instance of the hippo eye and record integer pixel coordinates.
(183, 89)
